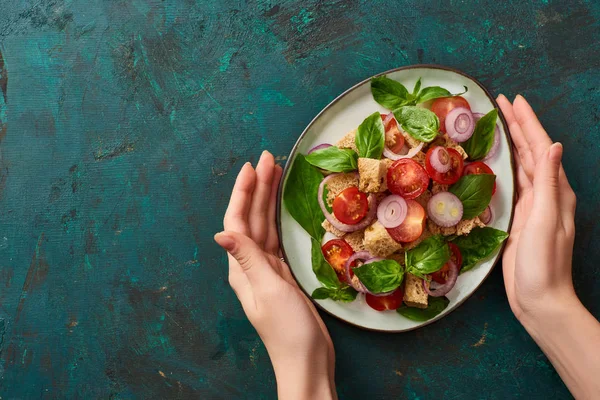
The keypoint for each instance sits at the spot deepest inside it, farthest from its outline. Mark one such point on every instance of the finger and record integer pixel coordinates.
(523, 182)
(545, 185)
(536, 135)
(250, 257)
(518, 138)
(272, 243)
(259, 209)
(236, 216)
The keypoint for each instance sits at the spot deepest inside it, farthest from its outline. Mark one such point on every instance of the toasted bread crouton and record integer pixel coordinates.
(420, 158)
(409, 246)
(356, 240)
(462, 228)
(386, 163)
(379, 242)
(410, 141)
(332, 229)
(438, 187)
(448, 142)
(339, 183)
(347, 142)
(398, 257)
(414, 294)
(423, 199)
(372, 175)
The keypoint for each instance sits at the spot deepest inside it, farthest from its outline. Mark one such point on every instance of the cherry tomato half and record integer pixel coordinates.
(442, 106)
(478, 168)
(393, 135)
(350, 206)
(441, 275)
(336, 253)
(450, 177)
(407, 178)
(382, 303)
(412, 227)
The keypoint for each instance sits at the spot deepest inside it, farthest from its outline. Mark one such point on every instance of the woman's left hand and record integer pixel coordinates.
(288, 323)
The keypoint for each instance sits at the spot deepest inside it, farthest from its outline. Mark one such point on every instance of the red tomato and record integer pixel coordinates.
(451, 176)
(382, 303)
(336, 253)
(407, 178)
(392, 134)
(412, 226)
(442, 106)
(478, 168)
(441, 275)
(350, 206)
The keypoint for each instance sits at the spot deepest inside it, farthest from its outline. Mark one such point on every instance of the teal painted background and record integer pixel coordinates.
(123, 125)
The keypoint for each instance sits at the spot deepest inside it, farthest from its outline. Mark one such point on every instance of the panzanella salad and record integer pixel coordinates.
(406, 196)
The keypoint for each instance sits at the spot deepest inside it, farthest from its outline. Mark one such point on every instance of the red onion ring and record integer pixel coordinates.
(392, 211)
(339, 225)
(460, 124)
(356, 284)
(487, 215)
(319, 147)
(442, 290)
(411, 153)
(496, 144)
(443, 217)
(440, 160)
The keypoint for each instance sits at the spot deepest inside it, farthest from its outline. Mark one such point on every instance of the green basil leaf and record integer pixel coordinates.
(380, 276)
(323, 271)
(370, 137)
(478, 244)
(436, 306)
(345, 294)
(300, 196)
(334, 159)
(420, 123)
(389, 93)
(428, 257)
(482, 140)
(435, 92)
(474, 192)
(415, 92)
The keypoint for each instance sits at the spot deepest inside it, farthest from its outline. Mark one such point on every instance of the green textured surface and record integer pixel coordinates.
(122, 127)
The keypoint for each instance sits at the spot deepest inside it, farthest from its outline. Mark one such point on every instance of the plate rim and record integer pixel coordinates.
(330, 104)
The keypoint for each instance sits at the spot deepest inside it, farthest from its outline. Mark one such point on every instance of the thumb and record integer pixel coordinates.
(545, 182)
(248, 254)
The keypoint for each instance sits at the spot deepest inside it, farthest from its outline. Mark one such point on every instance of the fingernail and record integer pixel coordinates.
(247, 164)
(225, 241)
(500, 96)
(555, 153)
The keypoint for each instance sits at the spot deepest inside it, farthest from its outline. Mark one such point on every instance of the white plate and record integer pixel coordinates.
(346, 112)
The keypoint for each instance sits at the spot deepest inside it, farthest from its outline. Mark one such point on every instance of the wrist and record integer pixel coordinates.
(304, 380)
(550, 313)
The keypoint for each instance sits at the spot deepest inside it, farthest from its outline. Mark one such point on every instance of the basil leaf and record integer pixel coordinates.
(300, 196)
(370, 137)
(380, 276)
(323, 271)
(345, 294)
(474, 192)
(334, 159)
(419, 122)
(478, 244)
(389, 93)
(435, 92)
(428, 257)
(482, 140)
(415, 92)
(436, 306)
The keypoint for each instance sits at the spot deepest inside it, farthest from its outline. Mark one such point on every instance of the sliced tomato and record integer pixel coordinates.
(450, 177)
(336, 253)
(478, 168)
(350, 206)
(412, 226)
(407, 178)
(382, 303)
(393, 135)
(441, 275)
(442, 106)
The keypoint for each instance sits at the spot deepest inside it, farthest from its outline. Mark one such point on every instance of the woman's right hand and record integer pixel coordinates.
(537, 259)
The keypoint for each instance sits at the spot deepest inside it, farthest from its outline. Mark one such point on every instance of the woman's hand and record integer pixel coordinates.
(537, 260)
(288, 323)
